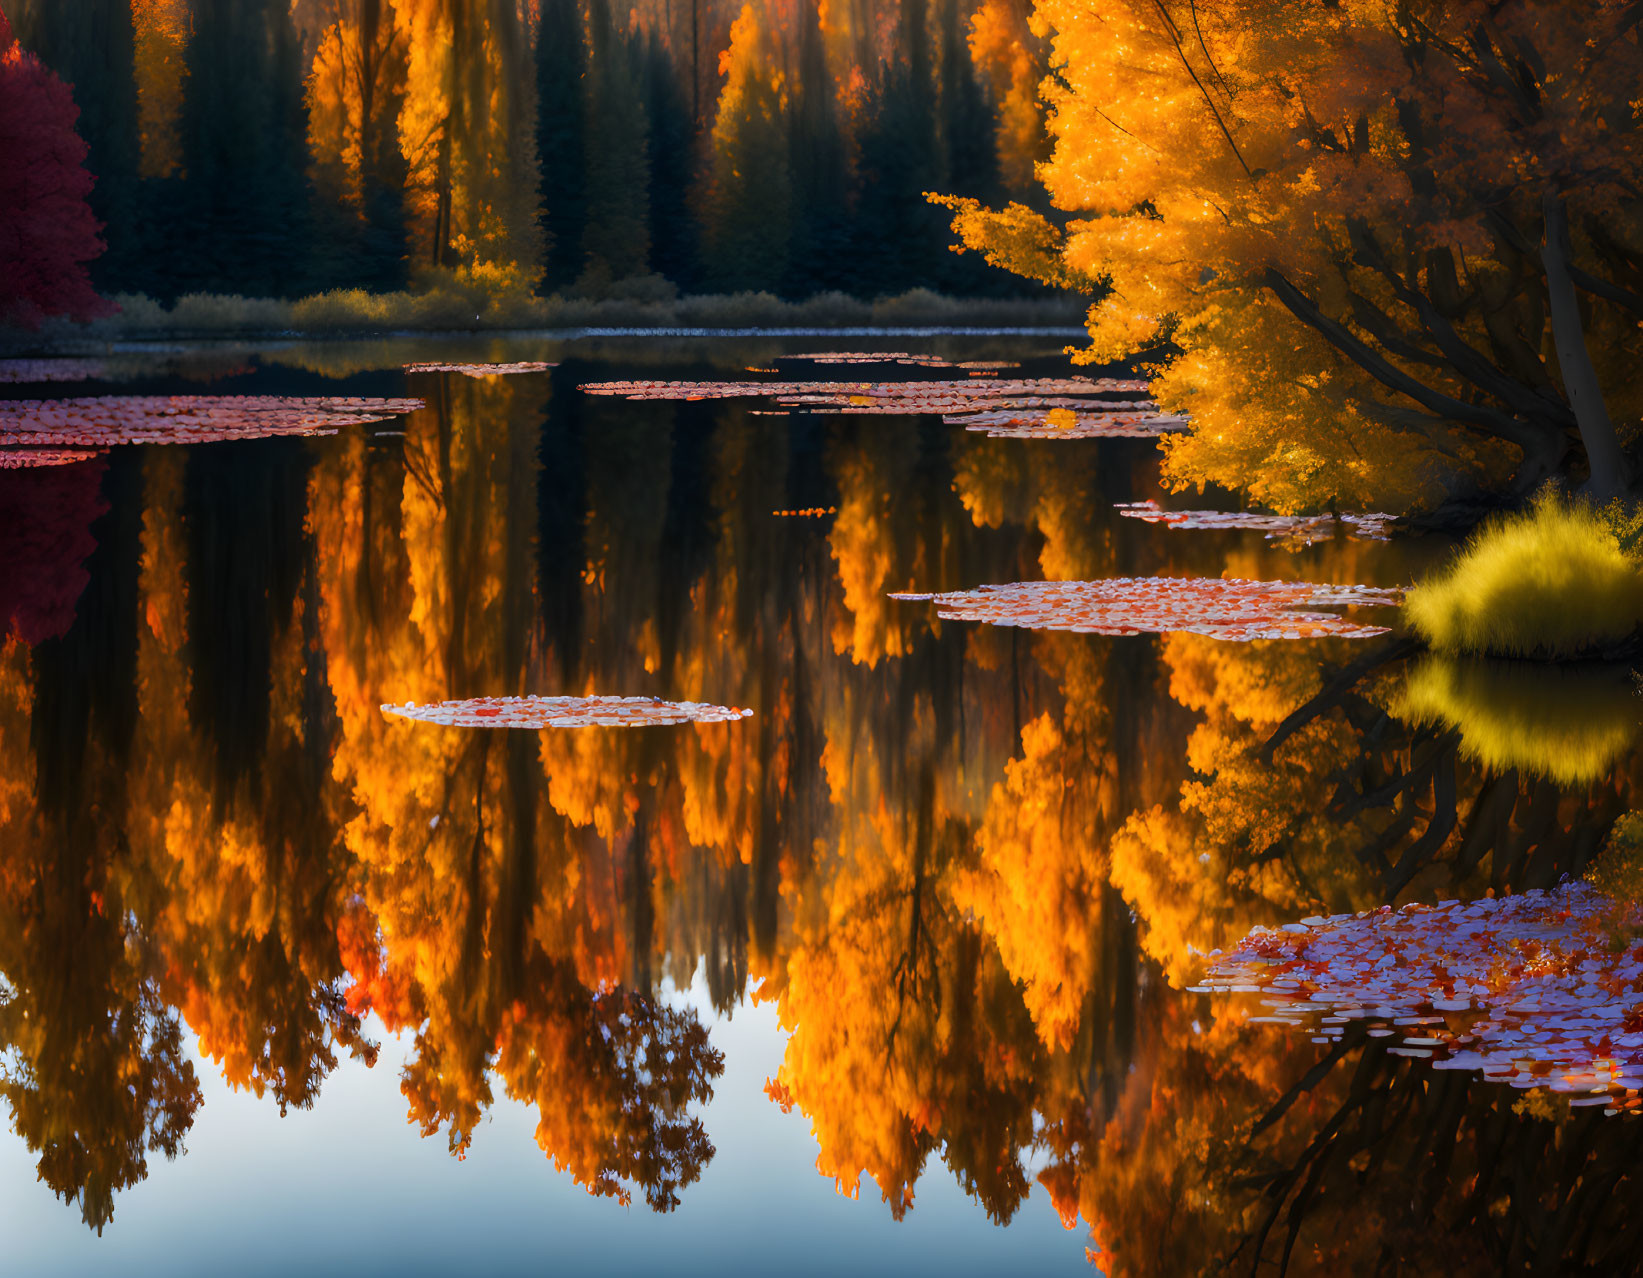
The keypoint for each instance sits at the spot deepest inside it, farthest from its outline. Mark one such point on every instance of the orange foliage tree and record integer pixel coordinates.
(1396, 248)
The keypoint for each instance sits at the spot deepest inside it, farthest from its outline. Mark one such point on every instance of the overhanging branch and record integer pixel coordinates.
(1534, 440)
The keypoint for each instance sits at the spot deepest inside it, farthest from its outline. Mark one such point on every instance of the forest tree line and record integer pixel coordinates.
(275, 148)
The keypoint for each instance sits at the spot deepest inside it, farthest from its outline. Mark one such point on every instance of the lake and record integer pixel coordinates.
(904, 972)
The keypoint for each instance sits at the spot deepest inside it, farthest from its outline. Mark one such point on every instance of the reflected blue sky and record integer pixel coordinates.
(349, 1187)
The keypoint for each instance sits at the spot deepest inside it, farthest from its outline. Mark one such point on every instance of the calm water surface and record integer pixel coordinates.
(888, 978)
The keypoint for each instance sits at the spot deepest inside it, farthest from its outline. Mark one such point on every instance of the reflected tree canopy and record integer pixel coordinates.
(974, 868)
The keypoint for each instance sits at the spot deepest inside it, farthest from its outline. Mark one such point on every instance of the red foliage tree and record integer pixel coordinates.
(46, 517)
(47, 231)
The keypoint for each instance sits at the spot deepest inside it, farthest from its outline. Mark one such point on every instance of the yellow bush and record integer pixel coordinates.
(1552, 582)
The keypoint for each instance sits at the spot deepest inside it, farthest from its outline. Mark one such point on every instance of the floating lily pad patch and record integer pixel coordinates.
(1223, 608)
(565, 712)
(1528, 990)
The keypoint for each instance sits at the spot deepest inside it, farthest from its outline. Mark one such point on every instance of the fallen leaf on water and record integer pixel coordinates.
(1527, 990)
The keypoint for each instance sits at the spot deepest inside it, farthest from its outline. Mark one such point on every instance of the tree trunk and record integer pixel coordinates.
(1609, 472)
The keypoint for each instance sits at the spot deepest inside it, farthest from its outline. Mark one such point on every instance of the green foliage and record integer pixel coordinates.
(1618, 871)
(1552, 582)
(1618, 874)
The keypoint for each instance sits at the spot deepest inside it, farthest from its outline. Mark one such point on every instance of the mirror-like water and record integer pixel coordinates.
(890, 976)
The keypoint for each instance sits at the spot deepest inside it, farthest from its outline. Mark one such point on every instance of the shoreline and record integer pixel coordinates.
(204, 318)
(88, 346)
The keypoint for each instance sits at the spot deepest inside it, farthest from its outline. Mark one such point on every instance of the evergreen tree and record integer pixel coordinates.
(673, 247)
(616, 235)
(900, 236)
(561, 115)
(820, 254)
(968, 119)
(243, 216)
(967, 149)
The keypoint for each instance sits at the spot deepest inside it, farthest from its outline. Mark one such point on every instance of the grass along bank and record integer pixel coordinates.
(454, 303)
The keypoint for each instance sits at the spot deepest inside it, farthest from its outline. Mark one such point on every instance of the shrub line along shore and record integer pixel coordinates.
(354, 313)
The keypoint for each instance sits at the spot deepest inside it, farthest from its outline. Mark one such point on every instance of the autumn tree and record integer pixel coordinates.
(750, 204)
(161, 71)
(356, 90)
(468, 133)
(91, 46)
(48, 233)
(46, 519)
(1418, 224)
(1014, 59)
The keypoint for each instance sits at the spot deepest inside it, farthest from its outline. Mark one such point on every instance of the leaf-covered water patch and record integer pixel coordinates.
(1301, 530)
(901, 357)
(565, 712)
(483, 370)
(28, 458)
(1006, 408)
(1063, 423)
(1529, 990)
(888, 397)
(101, 421)
(1223, 608)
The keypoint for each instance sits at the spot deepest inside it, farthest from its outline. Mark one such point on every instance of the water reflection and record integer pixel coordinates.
(1571, 724)
(972, 868)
